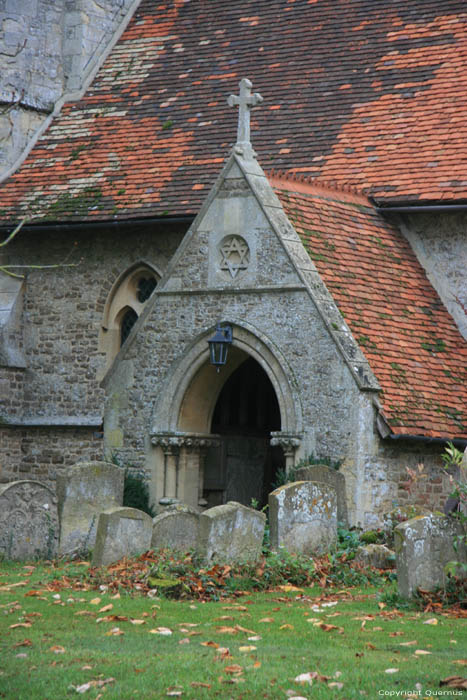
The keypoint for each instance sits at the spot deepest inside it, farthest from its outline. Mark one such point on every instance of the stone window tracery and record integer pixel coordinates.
(124, 305)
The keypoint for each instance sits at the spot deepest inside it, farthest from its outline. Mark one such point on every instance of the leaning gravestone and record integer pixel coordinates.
(230, 533)
(84, 491)
(28, 521)
(176, 528)
(303, 517)
(121, 532)
(424, 545)
(323, 474)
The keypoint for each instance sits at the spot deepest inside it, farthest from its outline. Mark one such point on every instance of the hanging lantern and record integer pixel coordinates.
(219, 345)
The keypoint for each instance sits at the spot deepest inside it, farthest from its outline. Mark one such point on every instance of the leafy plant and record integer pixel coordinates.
(135, 492)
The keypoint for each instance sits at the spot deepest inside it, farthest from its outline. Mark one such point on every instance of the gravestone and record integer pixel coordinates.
(230, 533)
(84, 491)
(376, 556)
(303, 517)
(176, 528)
(121, 532)
(28, 521)
(424, 545)
(323, 474)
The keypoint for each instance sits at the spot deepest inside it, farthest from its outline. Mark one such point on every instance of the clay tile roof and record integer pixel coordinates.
(411, 342)
(369, 93)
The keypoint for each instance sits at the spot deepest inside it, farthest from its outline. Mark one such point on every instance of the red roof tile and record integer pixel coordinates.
(369, 93)
(411, 342)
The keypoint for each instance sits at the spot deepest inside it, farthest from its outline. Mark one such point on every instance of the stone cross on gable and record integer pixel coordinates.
(245, 101)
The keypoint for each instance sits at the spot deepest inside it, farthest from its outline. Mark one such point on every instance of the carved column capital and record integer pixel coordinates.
(288, 441)
(191, 441)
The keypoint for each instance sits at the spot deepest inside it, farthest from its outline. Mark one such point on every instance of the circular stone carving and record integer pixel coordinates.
(234, 256)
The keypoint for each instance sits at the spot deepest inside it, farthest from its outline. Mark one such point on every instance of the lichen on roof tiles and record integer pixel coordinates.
(411, 342)
(371, 94)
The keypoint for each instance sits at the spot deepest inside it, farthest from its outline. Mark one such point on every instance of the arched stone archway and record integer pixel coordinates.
(183, 437)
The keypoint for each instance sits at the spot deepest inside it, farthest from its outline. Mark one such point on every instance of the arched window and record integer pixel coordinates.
(124, 305)
(129, 319)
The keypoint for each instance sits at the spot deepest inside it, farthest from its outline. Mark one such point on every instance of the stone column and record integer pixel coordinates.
(289, 442)
(184, 455)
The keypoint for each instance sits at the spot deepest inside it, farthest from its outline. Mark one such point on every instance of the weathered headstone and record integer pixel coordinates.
(231, 533)
(424, 545)
(121, 532)
(84, 491)
(176, 528)
(323, 474)
(303, 517)
(376, 556)
(28, 521)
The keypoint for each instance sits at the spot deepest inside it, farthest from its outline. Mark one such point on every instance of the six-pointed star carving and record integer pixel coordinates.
(235, 255)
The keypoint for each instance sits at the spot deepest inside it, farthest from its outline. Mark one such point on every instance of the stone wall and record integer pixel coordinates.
(47, 49)
(439, 241)
(41, 453)
(56, 403)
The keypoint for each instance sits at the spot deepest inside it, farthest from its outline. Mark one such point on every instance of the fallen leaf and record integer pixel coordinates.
(266, 619)
(421, 652)
(95, 601)
(185, 640)
(233, 669)
(305, 678)
(24, 643)
(20, 624)
(32, 594)
(164, 631)
(140, 622)
(376, 629)
(431, 621)
(57, 649)
(335, 684)
(408, 644)
(288, 588)
(214, 645)
(286, 627)
(86, 668)
(198, 684)
(454, 682)
(114, 632)
(257, 664)
(244, 629)
(396, 634)
(246, 649)
(391, 670)
(223, 617)
(461, 662)
(106, 608)
(381, 606)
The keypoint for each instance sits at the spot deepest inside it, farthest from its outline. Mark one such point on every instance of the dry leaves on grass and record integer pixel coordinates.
(454, 682)
(57, 649)
(93, 684)
(164, 631)
(20, 625)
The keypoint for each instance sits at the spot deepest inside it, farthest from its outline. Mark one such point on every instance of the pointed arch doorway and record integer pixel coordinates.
(245, 465)
(219, 436)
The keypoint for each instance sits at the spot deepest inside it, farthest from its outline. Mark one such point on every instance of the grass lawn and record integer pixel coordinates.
(59, 642)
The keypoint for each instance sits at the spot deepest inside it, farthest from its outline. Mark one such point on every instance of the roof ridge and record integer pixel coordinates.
(312, 185)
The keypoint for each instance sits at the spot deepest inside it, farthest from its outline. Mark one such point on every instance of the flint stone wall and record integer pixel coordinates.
(176, 528)
(323, 474)
(424, 545)
(303, 517)
(121, 532)
(84, 492)
(231, 533)
(28, 521)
